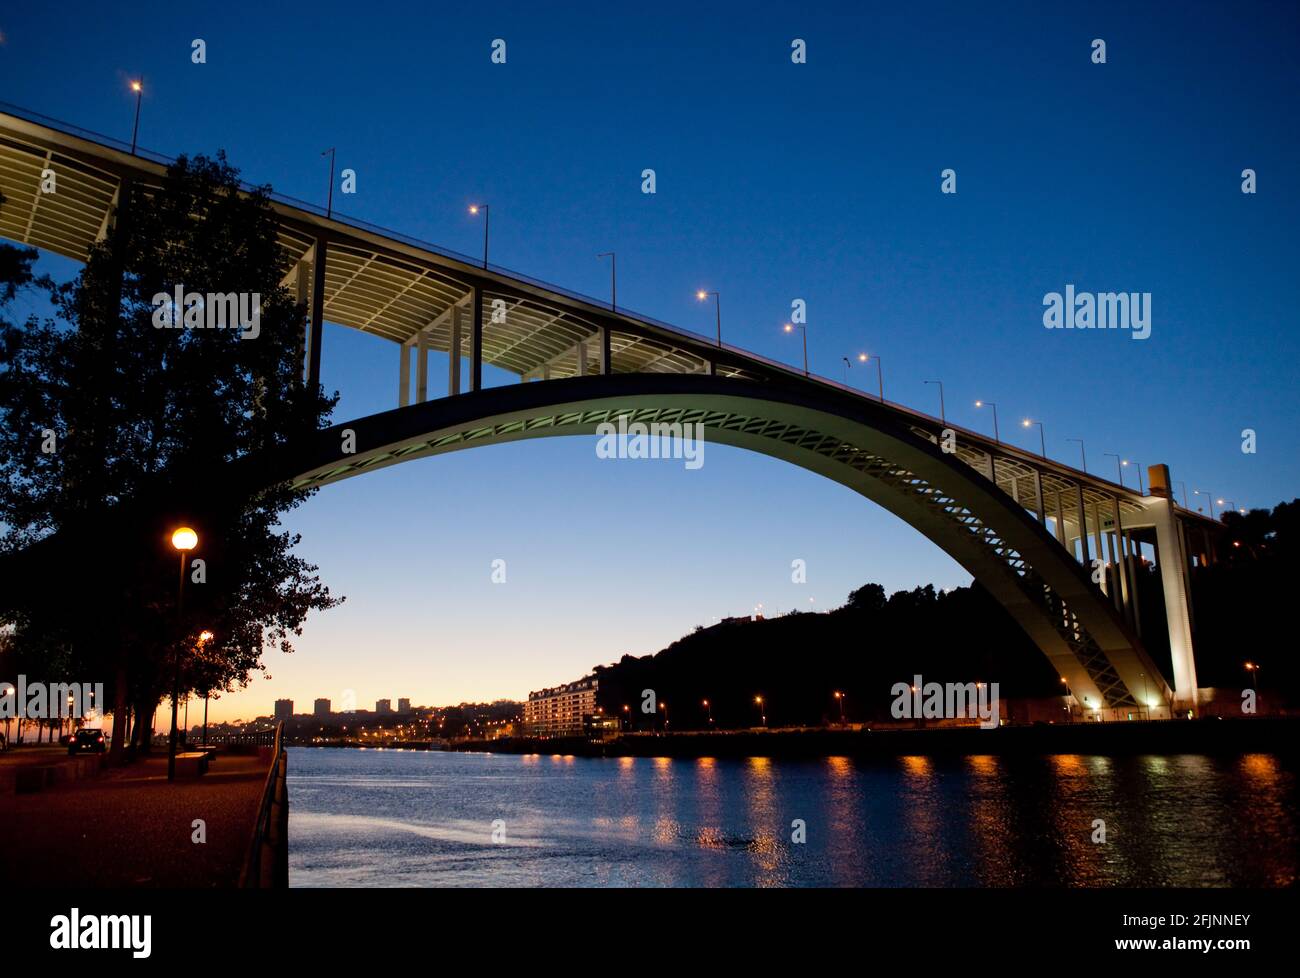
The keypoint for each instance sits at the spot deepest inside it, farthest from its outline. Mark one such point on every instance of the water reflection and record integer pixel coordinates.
(406, 818)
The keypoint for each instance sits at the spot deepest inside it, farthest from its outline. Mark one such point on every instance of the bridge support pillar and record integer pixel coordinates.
(606, 359)
(1038, 497)
(317, 313)
(421, 367)
(1172, 557)
(453, 354)
(404, 376)
(476, 341)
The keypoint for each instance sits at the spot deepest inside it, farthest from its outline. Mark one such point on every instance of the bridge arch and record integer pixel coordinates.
(852, 441)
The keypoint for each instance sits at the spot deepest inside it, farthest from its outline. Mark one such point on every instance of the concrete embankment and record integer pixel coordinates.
(1256, 735)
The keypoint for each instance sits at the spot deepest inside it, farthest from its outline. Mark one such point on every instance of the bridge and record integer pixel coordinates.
(1058, 547)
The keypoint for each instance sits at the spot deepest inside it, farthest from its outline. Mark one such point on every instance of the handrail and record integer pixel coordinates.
(252, 874)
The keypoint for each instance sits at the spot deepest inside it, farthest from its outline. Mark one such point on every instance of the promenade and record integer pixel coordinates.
(129, 828)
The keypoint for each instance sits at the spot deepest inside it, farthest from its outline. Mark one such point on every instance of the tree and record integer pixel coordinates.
(118, 418)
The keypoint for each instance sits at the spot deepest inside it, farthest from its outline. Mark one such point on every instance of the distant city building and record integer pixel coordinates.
(561, 711)
(322, 708)
(404, 705)
(383, 707)
(283, 709)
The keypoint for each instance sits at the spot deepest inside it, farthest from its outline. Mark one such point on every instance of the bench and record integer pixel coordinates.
(191, 764)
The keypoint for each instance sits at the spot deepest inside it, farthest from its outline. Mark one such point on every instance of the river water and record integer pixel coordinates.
(407, 818)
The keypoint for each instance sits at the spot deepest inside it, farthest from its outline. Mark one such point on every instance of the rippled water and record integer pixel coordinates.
(399, 818)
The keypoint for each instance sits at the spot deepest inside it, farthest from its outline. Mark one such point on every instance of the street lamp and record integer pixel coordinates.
(1253, 669)
(137, 87)
(880, 377)
(184, 540)
(1042, 438)
(1082, 453)
(205, 637)
(1068, 696)
(790, 328)
(1119, 466)
(329, 199)
(840, 699)
(1208, 495)
(487, 220)
(942, 418)
(717, 300)
(613, 278)
(664, 707)
(1141, 489)
(996, 439)
(709, 709)
(762, 714)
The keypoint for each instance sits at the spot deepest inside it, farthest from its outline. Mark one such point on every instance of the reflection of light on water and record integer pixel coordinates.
(530, 759)
(1259, 767)
(840, 767)
(984, 765)
(1155, 764)
(1099, 766)
(627, 762)
(1068, 765)
(665, 831)
(916, 766)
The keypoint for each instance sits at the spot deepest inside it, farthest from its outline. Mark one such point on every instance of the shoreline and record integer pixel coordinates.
(1211, 736)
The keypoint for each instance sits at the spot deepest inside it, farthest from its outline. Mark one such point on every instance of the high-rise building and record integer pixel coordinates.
(561, 710)
(283, 709)
(404, 705)
(322, 708)
(383, 706)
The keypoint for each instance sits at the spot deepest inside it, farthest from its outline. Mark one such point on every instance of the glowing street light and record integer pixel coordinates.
(205, 637)
(790, 328)
(840, 699)
(762, 714)
(710, 712)
(717, 302)
(184, 540)
(880, 377)
(1208, 495)
(1141, 489)
(997, 440)
(1042, 439)
(487, 220)
(137, 86)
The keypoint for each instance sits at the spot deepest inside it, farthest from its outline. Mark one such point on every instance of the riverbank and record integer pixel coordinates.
(1211, 736)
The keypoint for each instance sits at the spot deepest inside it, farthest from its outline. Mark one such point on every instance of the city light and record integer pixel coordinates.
(185, 539)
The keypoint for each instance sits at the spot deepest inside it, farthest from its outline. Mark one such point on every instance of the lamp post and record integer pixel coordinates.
(762, 714)
(1253, 669)
(1042, 438)
(839, 698)
(880, 376)
(487, 221)
(329, 198)
(1068, 695)
(790, 328)
(184, 540)
(1209, 496)
(1082, 453)
(1141, 489)
(664, 707)
(1119, 466)
(1232, 504)
(137, 87)
(847, 365)
(996, 439)
(627, 718)
(613, 278)
(709, 709)
(1186, 505)
(717, 302)
(941, 418)
(204, 638)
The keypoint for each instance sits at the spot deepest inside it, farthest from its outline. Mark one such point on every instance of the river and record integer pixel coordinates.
(414, 818)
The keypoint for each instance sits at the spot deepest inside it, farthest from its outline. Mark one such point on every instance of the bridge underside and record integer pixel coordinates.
(997, 541)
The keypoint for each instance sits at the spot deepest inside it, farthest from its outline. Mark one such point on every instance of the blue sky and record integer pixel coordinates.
(775, 181)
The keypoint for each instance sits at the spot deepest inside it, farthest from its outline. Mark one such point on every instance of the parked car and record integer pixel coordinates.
(88, 741)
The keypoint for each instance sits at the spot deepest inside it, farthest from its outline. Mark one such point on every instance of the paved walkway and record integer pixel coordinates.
(129, 827)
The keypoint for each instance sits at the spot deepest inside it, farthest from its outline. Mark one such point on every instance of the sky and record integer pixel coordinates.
(774, 181)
